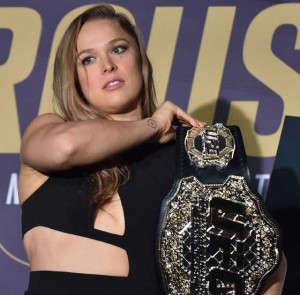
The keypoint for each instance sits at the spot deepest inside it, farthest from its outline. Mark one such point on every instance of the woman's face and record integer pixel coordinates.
(109, 70)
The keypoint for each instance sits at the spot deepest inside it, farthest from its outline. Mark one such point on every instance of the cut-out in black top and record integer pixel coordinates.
(62, 203)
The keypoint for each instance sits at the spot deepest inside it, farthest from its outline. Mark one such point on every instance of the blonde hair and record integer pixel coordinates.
(74, 106)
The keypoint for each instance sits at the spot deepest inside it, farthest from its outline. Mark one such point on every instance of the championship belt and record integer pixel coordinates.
(215, 236)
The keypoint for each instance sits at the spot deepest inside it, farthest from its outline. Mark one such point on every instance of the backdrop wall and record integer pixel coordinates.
(235, 62)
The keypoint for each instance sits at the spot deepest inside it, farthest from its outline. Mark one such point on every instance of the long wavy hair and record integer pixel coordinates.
(74, 106)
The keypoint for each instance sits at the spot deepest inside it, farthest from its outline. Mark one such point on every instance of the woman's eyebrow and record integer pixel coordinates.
(111, 42)
(85, 51)
(117, 40)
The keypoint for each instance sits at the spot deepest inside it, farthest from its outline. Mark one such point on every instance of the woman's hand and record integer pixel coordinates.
(166, 116)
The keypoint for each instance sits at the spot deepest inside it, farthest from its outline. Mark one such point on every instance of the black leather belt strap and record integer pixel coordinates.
(214, 236)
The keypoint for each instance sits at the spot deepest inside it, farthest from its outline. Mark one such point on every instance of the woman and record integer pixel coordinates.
(91, 178)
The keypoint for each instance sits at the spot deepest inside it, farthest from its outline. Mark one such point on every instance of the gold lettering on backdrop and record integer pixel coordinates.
(162, 45)
(258, 57)
(26, 35)
(46, 104)
(263, 64)
(211, 60)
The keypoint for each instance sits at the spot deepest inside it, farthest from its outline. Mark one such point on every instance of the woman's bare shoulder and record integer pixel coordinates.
(29, 181)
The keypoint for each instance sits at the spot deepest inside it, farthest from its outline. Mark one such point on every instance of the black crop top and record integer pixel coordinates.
(62, 203)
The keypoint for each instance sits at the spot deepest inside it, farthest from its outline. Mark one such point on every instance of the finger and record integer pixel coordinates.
(185, 119)
(180, 122)
(202, 123)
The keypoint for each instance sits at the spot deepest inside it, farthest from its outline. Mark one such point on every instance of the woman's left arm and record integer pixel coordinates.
(274, 284)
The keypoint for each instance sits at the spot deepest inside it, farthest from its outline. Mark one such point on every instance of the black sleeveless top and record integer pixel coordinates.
(62, 203)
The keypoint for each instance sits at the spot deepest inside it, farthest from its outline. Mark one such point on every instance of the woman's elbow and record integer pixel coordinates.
(51, 155)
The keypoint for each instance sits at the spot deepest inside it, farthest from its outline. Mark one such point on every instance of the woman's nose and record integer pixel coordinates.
(108, 66)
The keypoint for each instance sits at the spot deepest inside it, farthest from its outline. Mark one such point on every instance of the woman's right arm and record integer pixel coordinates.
(51, 144)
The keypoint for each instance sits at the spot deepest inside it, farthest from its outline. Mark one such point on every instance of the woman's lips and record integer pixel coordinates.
(113, 84)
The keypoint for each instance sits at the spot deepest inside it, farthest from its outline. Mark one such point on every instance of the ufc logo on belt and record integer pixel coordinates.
(226, 244)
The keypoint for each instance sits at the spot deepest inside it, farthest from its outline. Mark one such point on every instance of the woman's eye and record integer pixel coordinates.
(119, 49)
(87, 60)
